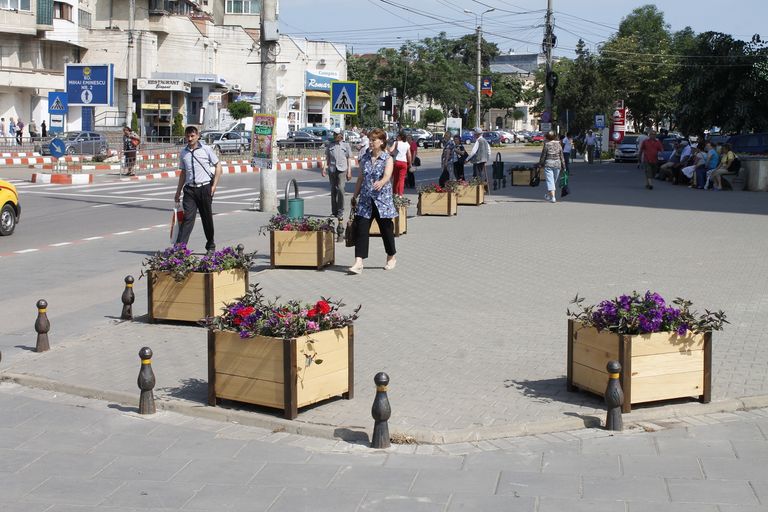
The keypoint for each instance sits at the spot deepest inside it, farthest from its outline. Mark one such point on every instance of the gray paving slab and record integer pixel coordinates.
(320, 500)
(723, 468)
(233, 497)
(150, 494)
(554, 485)
(475, 481)
(560, 505)
(467, 502)
(601, 488)
(605, 465)
(662, 466)
(379, 501)
(397, 480)
(645, 506)
(72, 491)
(729, 492)
(487, 400)
(150, 468)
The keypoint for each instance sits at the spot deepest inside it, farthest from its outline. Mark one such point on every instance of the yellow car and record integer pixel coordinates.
(10, 209)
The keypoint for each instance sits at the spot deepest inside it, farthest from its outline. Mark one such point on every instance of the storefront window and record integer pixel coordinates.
(243, 7)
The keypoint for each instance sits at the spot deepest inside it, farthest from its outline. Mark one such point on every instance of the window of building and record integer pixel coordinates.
(62, 11)
(83, 19)
(20, 5)
(243, 6)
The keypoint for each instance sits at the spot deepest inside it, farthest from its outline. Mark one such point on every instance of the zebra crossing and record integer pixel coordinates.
(129, 192)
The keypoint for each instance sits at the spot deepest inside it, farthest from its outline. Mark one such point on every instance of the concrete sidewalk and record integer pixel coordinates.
(471, 325)
(67, 454)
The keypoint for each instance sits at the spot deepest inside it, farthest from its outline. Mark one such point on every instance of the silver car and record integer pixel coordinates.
(626, 150)
(79, 143)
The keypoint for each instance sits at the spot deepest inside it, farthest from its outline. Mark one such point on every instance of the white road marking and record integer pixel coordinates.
(23, 251)
(92, 238)
(123, 232)
(60, 244)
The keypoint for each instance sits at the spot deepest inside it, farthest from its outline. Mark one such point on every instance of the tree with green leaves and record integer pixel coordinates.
(240, 109)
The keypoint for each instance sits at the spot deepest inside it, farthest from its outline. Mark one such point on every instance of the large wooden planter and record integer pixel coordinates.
(200, 295)
(301, 249)
(400, 223)
(437, 203)
(273, 372)
(656, 366)
(521, 177)
(471, 195)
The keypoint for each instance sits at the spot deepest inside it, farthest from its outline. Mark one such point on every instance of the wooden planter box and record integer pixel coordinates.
(471, 195)
(400, 222)
(657, 366)
(301, 249)
(200, 295)
(521, 178)
(273, 372)
(437, 203)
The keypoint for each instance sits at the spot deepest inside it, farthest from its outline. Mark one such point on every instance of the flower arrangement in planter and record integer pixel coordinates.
(304, 242)
(470, 192)
(183, 286)
(400, 222)
(665, 350)
(282, 355)
(438, 200)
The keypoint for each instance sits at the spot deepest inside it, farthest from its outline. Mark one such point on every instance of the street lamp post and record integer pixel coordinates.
(479, 61)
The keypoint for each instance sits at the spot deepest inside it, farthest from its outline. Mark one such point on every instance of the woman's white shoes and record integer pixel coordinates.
(390, 265)
(355, 269)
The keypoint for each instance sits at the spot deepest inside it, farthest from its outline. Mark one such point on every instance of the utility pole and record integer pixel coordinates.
(477, 81)
(549, 82)
(269, 38)
(129, 65)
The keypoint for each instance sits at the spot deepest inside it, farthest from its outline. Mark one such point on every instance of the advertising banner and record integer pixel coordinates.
(261, 140)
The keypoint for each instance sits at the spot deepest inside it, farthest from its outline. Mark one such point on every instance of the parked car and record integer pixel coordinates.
(749, 143)
(524, 135)
(507, 137)
(467, 136)
(433, 141)
(352, 137)
(626, 150)
(226, 142)
(326, 134)
(10, 208)
(493, 138)
(300, 139)
(79, 143)
(669, 147)
(418, 134)
(537, 137)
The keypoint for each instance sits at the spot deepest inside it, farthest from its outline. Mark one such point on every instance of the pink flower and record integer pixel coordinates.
(312, 326)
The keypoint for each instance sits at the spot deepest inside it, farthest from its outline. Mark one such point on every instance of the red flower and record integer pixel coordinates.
(246, 311)
(323, 307)
(237, 320)
(312, 312)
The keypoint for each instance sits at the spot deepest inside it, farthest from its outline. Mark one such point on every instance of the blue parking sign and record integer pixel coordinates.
(343, 97)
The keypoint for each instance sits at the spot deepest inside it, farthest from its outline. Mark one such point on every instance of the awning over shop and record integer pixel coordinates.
(317, 94)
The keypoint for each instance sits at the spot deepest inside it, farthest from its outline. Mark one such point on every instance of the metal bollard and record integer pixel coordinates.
(146, 382)
(614, 397)
(339, 230)
(42, 326)
(239, 250)
(381, 412)
(128, 297)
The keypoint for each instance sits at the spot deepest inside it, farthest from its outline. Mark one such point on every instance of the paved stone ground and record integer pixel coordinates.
(471, 325)
(60, 453)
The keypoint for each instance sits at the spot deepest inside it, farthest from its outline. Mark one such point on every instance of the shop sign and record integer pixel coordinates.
(159, 84)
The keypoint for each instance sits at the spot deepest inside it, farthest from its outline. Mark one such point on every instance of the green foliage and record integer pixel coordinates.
(178, 125)
(135, 123)
(240, 109)
(432, 115)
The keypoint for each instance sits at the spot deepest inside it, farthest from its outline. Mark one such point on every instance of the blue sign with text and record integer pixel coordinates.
(315, 82)
(90, 85)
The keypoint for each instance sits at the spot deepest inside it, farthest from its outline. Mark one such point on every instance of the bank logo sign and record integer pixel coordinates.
(90, 85)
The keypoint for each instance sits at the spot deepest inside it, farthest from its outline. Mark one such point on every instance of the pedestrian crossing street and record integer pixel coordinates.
(130, 192)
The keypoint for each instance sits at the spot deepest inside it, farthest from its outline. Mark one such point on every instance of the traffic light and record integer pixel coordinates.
(552, 80)
(385, 104)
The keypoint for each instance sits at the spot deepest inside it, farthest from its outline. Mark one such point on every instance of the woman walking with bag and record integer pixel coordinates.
(553, 162)
(373, 194)
(401, 150)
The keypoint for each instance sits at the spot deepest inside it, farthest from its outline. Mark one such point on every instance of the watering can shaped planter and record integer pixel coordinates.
(293, 208)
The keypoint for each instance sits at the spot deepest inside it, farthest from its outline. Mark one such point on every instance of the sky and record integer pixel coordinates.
(517, 26)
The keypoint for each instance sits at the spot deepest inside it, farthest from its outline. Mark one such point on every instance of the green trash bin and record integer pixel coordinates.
(293, 208)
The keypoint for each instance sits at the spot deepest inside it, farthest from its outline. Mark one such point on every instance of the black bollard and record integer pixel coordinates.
(614, 397)
(239, 250)
(128, 297)
(340, 230)
(42, 326)
(146, 382)
(381, 412)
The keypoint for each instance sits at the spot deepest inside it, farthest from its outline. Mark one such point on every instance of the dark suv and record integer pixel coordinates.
(754, 143)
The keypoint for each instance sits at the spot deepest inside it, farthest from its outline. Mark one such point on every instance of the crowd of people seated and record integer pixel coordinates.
(700, 167)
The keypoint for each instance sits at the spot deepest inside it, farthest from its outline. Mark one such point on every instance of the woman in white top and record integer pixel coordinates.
(401, 151)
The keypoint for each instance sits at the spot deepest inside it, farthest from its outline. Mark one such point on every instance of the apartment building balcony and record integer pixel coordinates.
(17, 21)
(31, 78)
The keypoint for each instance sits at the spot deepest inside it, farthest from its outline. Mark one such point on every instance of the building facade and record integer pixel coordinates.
(522, 66)
(170, 57)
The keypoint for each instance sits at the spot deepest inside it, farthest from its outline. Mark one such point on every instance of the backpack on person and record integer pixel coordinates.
(735, 166)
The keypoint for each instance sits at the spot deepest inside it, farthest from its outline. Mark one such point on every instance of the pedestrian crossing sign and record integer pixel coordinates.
(343, 97)
(57, 102)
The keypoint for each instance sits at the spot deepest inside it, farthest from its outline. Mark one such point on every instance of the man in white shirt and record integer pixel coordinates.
(590, 141)
(480, 154)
